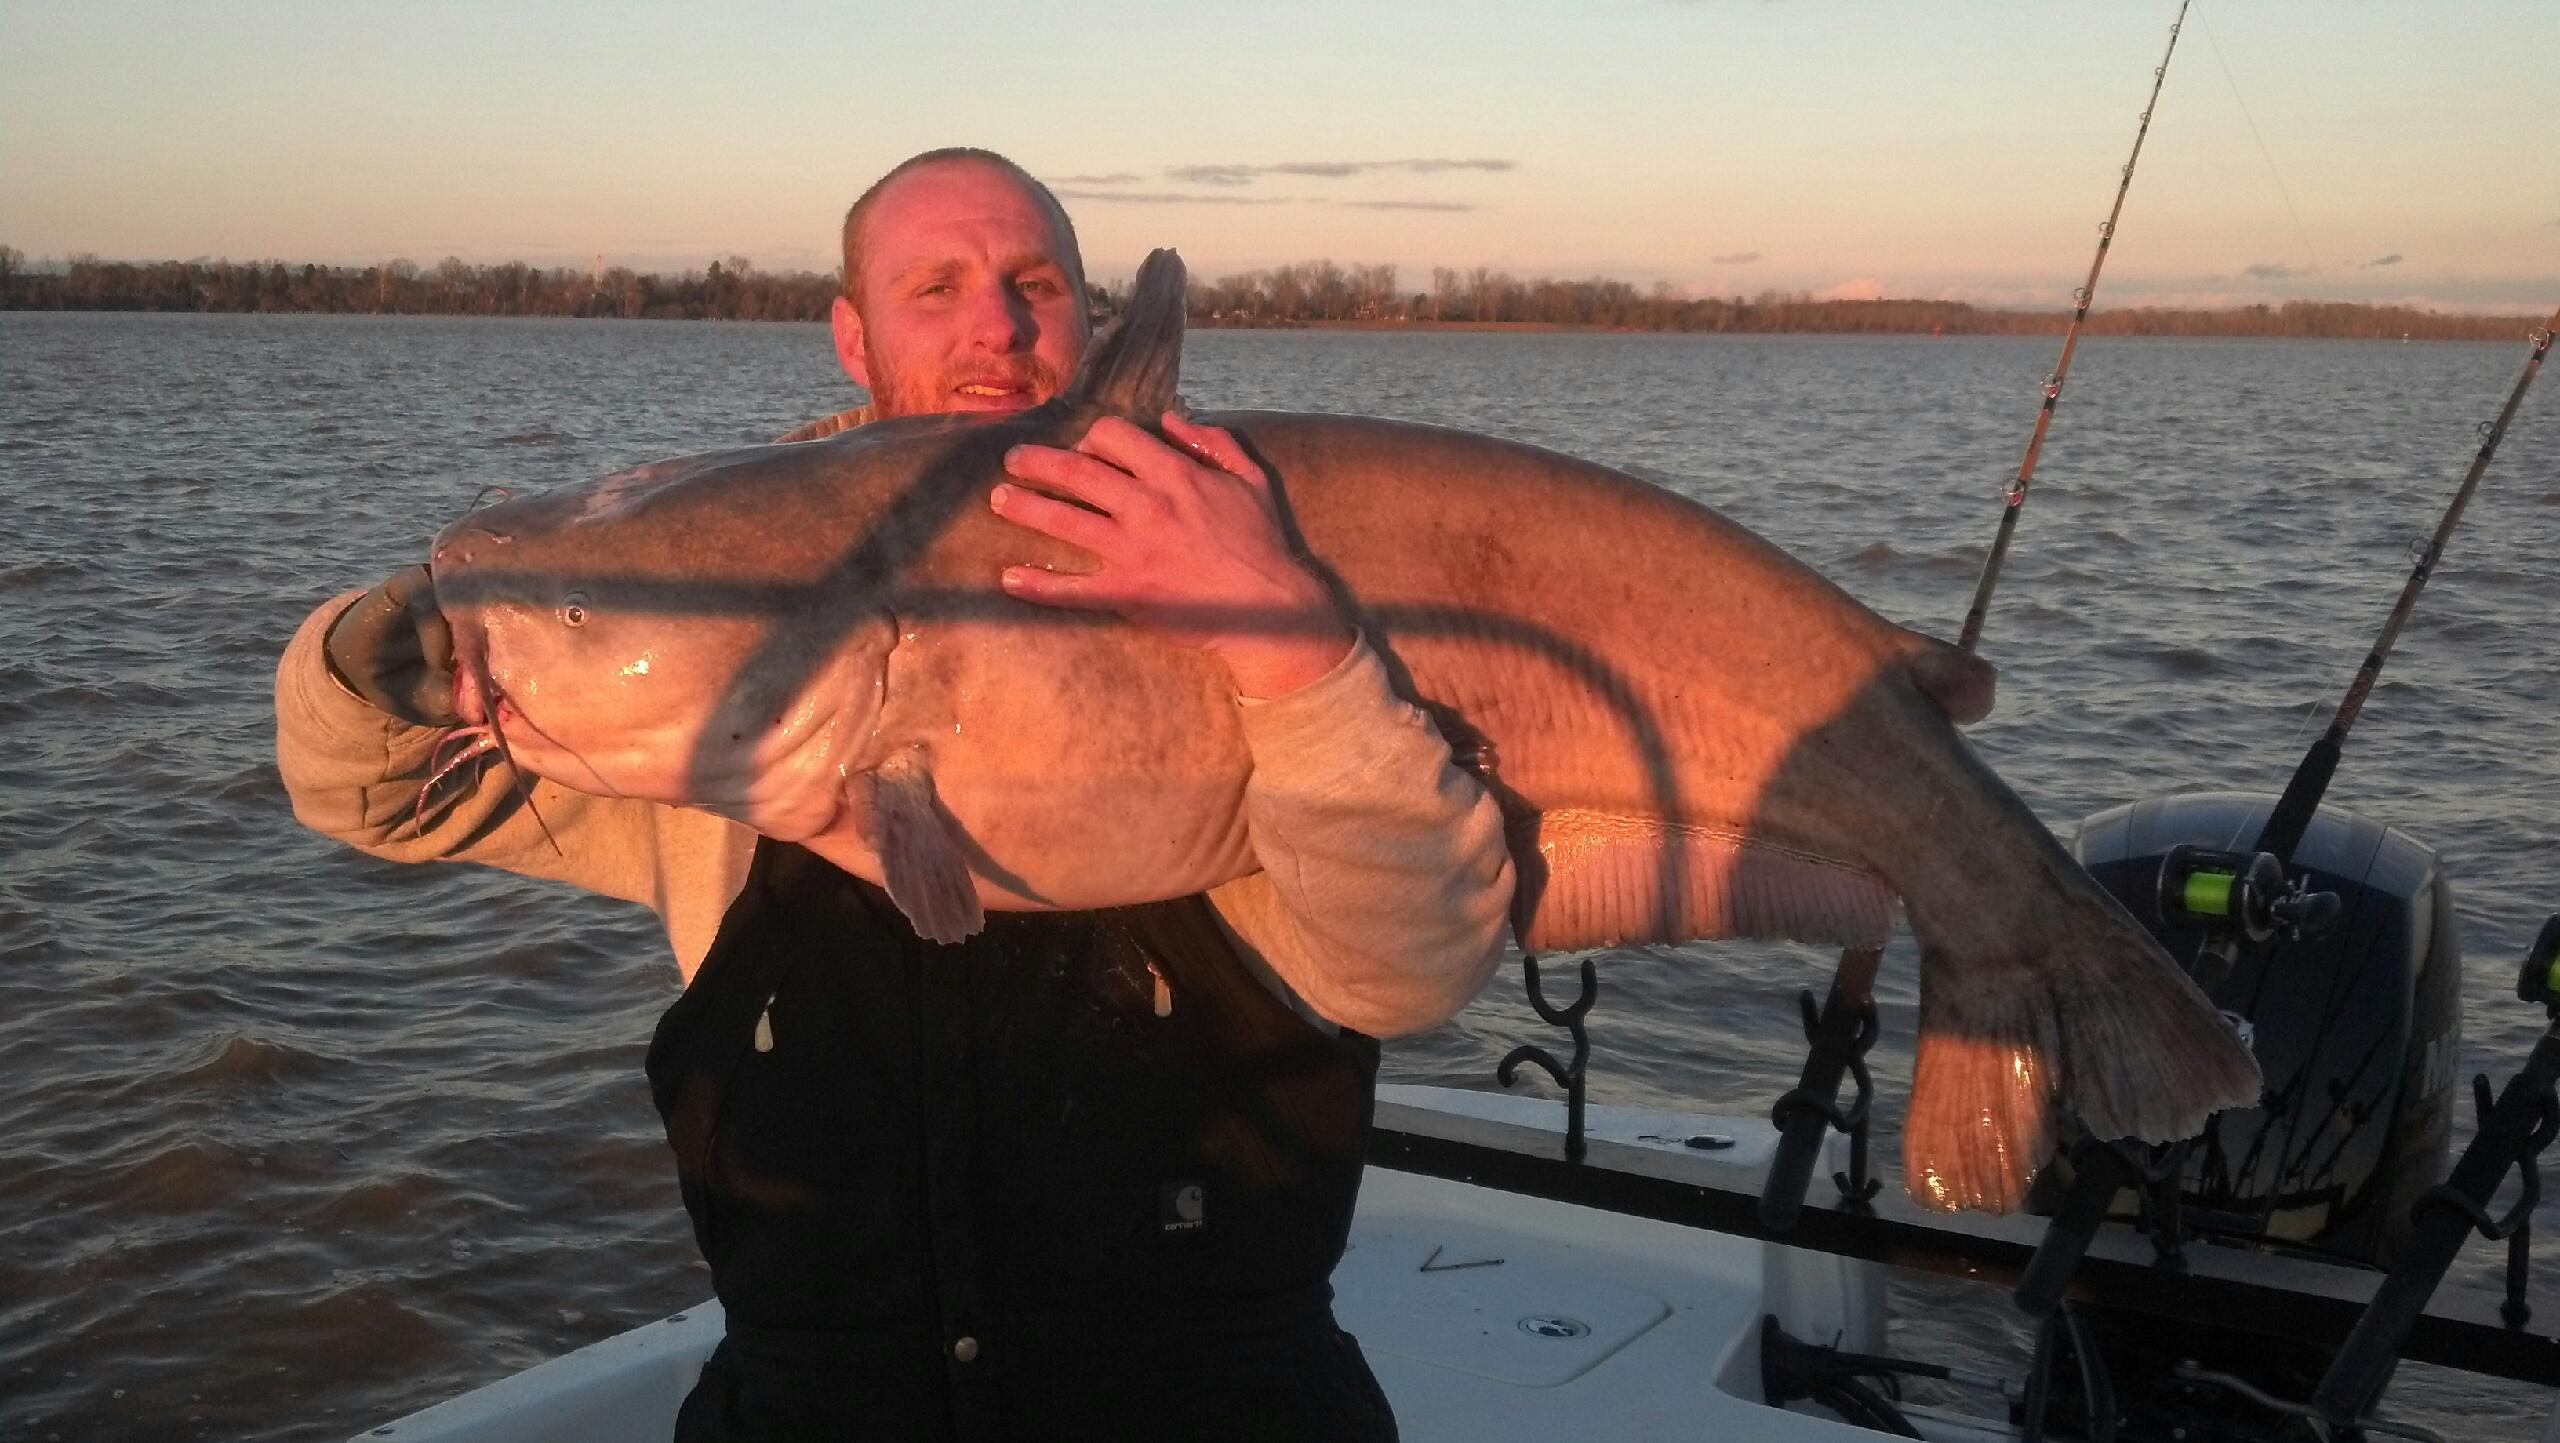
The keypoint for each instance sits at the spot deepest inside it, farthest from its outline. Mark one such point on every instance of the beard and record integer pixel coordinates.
(935, 392)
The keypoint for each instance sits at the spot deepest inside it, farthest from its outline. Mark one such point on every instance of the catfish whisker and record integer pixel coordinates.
(498, 736)
(476, 742)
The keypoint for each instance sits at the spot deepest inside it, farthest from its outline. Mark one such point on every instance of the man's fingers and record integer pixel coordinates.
(1138, 451)
(394, 649)
(413, 590)
(1082, 591)
(1069, 474)
(435, 639)
(1214, 446)
(1071, 524)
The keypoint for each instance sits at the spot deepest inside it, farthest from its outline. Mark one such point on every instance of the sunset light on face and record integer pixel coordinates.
(2399, 154)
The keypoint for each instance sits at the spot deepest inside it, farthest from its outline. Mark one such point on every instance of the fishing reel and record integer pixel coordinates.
(2237, 898)
(2540, 979)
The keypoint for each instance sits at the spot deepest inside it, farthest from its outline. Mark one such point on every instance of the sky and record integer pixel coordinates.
(2348, 150)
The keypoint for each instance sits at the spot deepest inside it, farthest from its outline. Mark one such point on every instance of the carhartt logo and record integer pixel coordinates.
(1185, 1206)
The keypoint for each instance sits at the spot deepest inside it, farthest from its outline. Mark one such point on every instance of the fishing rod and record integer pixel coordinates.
(2293, 811)
(2514, 1130)
(2014, 499)
(2243, 899)
(1842, 1029)
(2246, 898)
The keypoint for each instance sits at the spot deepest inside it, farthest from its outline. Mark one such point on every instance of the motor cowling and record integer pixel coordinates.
(2357, 1029)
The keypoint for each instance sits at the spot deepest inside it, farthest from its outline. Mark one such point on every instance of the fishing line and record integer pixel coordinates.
(2310, 709)
(2263, 153)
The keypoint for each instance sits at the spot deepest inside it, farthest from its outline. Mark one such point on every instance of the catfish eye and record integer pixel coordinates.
(573, 609)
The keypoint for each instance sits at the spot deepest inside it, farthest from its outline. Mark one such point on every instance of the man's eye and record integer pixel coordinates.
(1036, 286)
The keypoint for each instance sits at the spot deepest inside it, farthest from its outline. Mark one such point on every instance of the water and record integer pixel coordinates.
(292, 1141)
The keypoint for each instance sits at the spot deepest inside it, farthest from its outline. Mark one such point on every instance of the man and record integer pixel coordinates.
(1082, 1175)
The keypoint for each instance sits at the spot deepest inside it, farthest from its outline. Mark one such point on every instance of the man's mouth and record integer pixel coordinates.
(995, 395)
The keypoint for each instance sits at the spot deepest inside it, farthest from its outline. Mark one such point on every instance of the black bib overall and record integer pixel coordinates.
(1082, 1176)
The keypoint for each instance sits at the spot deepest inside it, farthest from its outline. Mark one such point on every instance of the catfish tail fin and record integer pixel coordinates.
(2102, 1025)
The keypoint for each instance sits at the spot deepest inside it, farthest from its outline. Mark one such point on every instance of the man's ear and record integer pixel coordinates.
(848, 327)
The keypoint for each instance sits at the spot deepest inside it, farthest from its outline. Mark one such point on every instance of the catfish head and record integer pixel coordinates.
(659, 634)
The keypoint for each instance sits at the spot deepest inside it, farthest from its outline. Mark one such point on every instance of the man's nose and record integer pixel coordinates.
(1000, 321)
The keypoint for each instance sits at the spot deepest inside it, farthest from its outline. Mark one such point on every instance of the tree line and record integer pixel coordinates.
(1320, 292)
(730, 289)
(1309, 293)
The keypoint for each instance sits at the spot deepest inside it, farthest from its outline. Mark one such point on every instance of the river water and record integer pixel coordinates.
(292, 1141)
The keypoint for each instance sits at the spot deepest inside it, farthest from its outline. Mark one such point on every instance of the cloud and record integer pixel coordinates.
(1857, 288)
(1214, 174)
(1431, 167)
(2392, 259)
(2273, 271)
(1117, 177)
(1327, 169)
(1169, 197)
(1405, 204)
(1738, 258)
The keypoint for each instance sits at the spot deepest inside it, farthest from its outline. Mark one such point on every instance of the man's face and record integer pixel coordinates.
(969, 296)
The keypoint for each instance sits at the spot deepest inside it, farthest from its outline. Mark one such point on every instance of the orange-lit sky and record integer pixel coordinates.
(2343, 150)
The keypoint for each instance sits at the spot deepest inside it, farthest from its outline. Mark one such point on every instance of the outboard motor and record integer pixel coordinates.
(2345, 980)
(2357, 1028)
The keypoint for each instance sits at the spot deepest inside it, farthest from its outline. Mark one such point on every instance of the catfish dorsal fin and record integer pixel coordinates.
(1136, 365)
(1960, 682)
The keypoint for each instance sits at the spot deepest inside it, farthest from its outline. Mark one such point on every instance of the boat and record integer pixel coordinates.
(1485, 1312)
(1638, 1291)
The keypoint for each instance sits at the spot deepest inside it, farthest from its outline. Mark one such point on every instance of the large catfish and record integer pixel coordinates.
(1692, 734)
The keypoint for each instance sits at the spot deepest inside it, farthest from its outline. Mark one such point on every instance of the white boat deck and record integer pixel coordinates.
(1485, 1314)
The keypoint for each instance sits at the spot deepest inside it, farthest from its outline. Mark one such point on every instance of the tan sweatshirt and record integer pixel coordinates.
(1382, 903)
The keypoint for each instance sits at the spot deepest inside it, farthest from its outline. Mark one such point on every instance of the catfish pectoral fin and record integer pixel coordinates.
(1603, 879)
(923, 861)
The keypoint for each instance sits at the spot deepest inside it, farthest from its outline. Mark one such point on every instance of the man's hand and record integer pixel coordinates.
(1189, 550)
(393, 648)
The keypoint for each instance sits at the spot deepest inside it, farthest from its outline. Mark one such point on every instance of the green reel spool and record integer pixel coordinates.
(2540, 981)
(2222, 891)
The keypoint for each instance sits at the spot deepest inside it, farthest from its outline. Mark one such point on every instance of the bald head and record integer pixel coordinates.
(857, 217)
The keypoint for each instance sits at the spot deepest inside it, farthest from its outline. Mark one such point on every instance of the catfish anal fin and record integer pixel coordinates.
(1597, 879)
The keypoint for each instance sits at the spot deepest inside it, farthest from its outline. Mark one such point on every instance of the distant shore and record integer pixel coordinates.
(2365, 323)
(1317, 295)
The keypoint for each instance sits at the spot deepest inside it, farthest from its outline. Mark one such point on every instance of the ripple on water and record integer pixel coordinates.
(2177, 661)
(37, 573)
(243, 1062)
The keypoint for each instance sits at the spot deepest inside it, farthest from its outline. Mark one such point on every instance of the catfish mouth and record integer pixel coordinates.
(482, 715)
(478, 699)
(476, 696)
(470, 697)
